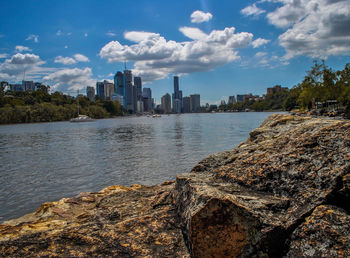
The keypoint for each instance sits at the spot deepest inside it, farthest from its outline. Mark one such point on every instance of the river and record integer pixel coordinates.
(48, 161)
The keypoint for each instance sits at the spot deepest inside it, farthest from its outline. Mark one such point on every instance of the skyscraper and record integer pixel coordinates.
(129, 90)
(90, 93)
(147, 99)
(138, 84)
(186, 104)
(100, 89)
(177, 96)
(195, 103)
(108, 89)
(166, 103)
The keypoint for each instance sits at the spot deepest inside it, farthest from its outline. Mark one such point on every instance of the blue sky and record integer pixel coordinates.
(219, 48)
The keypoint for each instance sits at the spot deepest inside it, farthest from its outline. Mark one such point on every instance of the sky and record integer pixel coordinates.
(218, 48)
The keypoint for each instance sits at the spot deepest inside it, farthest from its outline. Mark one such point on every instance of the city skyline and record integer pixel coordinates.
(234, 47)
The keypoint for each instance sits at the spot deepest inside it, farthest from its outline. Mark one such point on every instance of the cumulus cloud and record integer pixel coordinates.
(138, 36)
(155, 57)
(18, 63)
(193, 33)
(316, 28)
(33, 37)
(81, 58)
(22, 49)
(64, 60)
(199, 17)
(252, 10)
(70, 60)
(259, 42)
(70, 79)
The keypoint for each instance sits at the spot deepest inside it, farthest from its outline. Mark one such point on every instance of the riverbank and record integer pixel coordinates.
(283, 192)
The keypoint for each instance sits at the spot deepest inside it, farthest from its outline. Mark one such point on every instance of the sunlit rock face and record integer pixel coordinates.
(283, 192)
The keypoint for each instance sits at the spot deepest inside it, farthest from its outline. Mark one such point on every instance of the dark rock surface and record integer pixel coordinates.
(283, 192)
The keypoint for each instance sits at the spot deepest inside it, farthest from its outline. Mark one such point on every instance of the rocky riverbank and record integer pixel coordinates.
(283, 192)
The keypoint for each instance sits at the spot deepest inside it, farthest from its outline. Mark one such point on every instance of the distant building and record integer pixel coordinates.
(28, 85)
(186, 104)
(129, 91)
(108, 90)
(244, 97)
(16, 87)
(118, 97)
(177, 96)
(166, 103)
(100, 90)
(119, 87)
(231, 100)
(275, 89)
(147, 99)
(223, 102)
(90, 93)
(195, 103)
(138, 84)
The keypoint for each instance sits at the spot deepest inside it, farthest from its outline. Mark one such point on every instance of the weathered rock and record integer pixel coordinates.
(248, 201)
(323, 234)
(283, 192)
(118, 221)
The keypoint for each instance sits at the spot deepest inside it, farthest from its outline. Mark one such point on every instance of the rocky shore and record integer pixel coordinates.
(285, 192)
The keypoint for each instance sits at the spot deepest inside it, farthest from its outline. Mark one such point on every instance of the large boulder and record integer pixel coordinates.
(249, 201)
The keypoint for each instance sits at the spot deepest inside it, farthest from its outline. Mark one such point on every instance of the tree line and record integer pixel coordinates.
(320, 86)
(40, 106)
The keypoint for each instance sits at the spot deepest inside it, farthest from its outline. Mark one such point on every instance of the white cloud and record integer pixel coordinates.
(193, 33)
(70, 79)
(252, 10)
(259, 42)
(59, 33)
(3, 55)
(316, 28)
(111, 34)
(33, 37)
(138, 36)
(64, 60)
(85, 35)
(81, 58)
(18, 63)
(199, 17)
(22, 49)
(65, 46)
(155, 57)
(70, 60)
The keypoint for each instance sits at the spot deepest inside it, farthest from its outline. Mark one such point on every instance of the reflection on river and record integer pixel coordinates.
(48, 161)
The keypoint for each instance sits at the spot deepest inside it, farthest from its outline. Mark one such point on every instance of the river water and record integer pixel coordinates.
(48, 161)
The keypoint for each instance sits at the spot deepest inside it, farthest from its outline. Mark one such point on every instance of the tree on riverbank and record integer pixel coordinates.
(40, 106)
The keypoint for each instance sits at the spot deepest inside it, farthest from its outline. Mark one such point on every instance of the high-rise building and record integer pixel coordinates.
(90, 93)
(186, 104)
(129, 91)
(100, 89)
(138, 84)
(147, 99)
(119, 88)
(108, 89)
(166, 103)
(231, 100)
(177, 96)
(195, 103)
